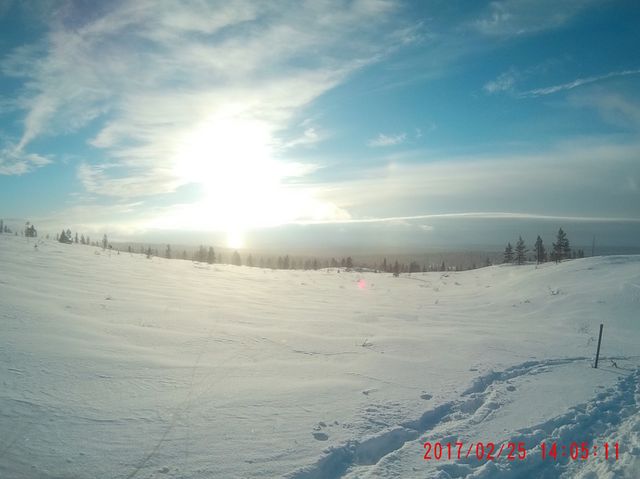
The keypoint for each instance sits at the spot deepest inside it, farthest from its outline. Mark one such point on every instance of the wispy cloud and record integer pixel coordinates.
(480, 215)
(615, 108)
(388, 140)
(15, 161)
(163, 85)
(504, 83)
(520, 17)
(576, 83)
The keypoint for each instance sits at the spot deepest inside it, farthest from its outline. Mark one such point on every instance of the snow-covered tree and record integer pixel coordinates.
(30, 230)
(65, 237)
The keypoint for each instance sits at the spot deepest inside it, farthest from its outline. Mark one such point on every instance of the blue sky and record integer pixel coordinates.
(141, 118)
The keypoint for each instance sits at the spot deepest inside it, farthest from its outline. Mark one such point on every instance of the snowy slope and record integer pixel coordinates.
(116, 366)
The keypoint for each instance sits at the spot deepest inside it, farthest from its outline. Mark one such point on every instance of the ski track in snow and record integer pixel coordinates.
(602, 415)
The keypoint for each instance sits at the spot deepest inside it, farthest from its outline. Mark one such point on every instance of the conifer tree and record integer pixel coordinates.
(235, 259)
(508, 254)
(540, 251)
(65, 237)
(561, 248)
(521, 250)
(168, 252)
(211, 256)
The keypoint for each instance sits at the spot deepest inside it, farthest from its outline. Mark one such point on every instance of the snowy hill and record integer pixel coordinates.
(117, 366)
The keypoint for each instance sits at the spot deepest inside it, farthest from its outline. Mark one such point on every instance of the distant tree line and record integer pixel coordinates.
(560, 250)
(518, 254)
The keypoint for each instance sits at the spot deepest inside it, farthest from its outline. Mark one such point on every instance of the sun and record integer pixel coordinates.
(236, 165)
(232, 159)
(235, 240)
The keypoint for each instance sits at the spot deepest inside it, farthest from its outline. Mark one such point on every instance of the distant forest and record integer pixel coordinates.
(559, 250)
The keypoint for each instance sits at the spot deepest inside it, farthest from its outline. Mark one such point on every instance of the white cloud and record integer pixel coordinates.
(615, 108)
(577, 83)
(150, 76)
(387, 140)
(15, 161)
(504, 82)
(565, 181)
(520, 17)
(309, 137)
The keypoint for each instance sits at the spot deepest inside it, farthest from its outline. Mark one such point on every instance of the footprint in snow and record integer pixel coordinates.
(320, 436)
(426, 396)
(511, 388)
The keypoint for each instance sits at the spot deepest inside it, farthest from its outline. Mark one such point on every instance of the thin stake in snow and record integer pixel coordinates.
(598, 350)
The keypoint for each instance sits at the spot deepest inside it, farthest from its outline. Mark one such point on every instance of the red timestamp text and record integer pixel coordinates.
(482, 451)
(517, 451)
(579, 451)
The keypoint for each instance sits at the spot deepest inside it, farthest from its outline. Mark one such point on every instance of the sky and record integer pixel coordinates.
(369, 123)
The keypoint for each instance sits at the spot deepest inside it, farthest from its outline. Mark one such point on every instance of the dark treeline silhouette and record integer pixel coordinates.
(560, 250)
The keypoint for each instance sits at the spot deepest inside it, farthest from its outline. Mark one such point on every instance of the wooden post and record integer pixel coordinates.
(599, 341)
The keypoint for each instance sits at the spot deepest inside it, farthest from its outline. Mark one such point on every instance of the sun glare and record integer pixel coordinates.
(235, 240)
(234, 160)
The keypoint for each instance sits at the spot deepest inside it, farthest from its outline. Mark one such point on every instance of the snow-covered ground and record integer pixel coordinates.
(117, 366)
